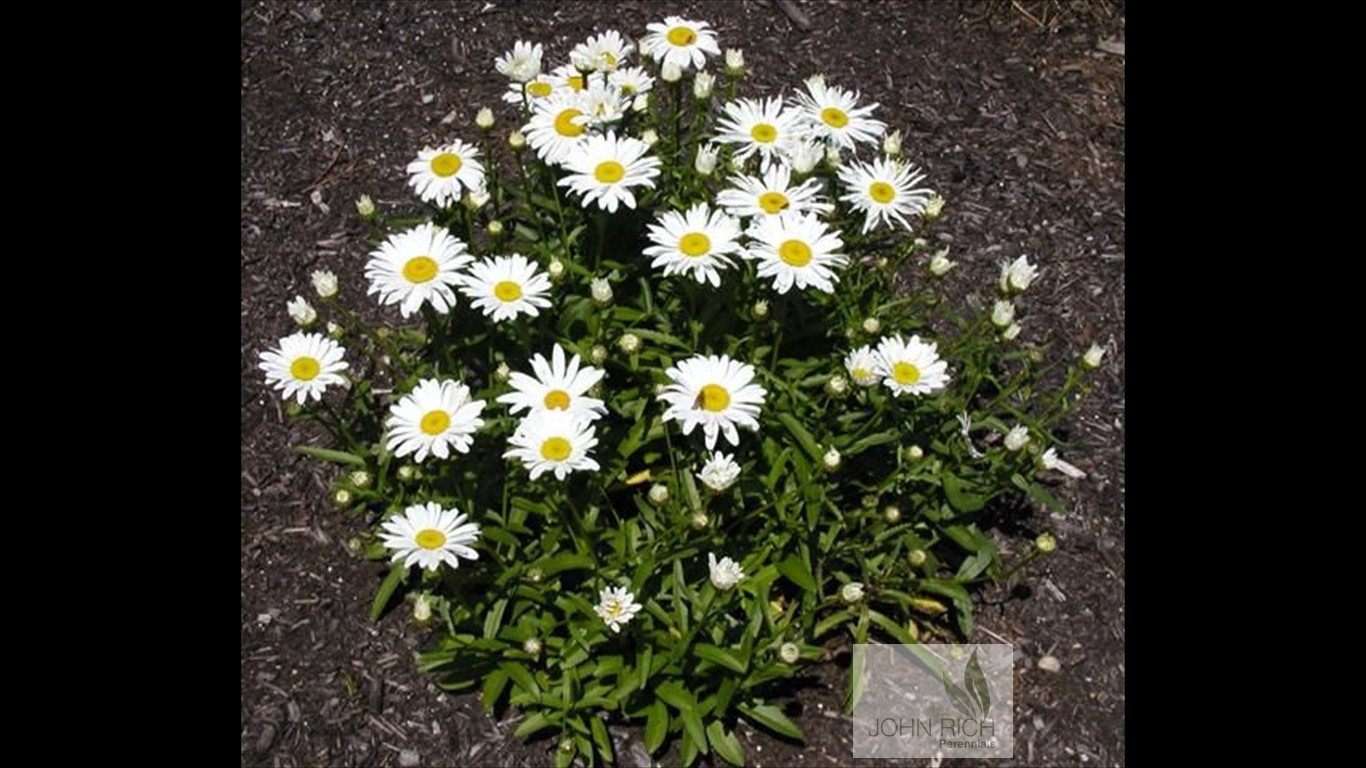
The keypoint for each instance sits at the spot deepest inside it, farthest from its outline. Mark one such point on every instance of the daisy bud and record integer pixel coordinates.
(1017, 275)
(1017, 437)
(597, 354)
(1093, 356)
(699, 521)
(882, 262)
(601, 290)
(360, 478)
(789, 653)
(365, 206)
(852, 592)
(516, 140)
(724, 573)
(702, 84)
(934, 208)
(407, 472)
(567, 746)
(872, 325)
(555, 269)
(484, 119)
(1046, 543)
(325, 283)
(832, 157)
(892, 515)
(495, 228)
(805, 157)
(532, 647)
(641, 102)
(1011, 332)
(891, 143)
(760, 309)
(659, 494)
(502, 373)
(629, 343)
(476, 198)
(705, 163)
(649, 137)
(535, 575)
(1002, 313)
(831, 459)
(815, 81)
(1050, 460)
(422, 608)
(735, 62)
(355, 546)
(736, 164)
(837, 386)
(928, 605)
(342, 497)
(302, 312)
(912, 630)
(869, 501)
(915, 453)
(670, 72)
(917, 558)
(940, 264)
(334, 331)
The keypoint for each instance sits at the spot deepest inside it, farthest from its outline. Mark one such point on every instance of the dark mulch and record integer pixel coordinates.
(1021, 126)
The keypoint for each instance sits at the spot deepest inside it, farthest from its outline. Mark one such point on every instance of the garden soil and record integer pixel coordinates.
(1015, 112)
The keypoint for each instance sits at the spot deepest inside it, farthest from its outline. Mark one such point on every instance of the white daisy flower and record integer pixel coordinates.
(798, 249)
(557, 126)
(556, 386)
(720, 472)
(604, 168)
(862, 366)
(304, 365)
(680, 42)
(529, 93)
(765, 127)
(616, 606)
(698, 241)
(553, 441)
(754, 197)
(834, 115)
(601, 53)
(631, 81)
(436, 416)
(417, 266)
(522, 64)
(506, 286)
(1018, 275)
(301, 312)
(883, 190)
(911, 367)
(603, 104)
(568, 80)
(725, 573)
(428, 535)
(716, 392)
(440, 175)
(1017, 437)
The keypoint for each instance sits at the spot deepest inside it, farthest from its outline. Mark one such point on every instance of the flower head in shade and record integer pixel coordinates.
(763, 127)
(617, 606)
(435, 417)
(604, 169)
(720, 472)
(771, 194)
(504, 287)
(601, 53)
(862, 366)
(796, 249)
(725, 573)
(555, 441)
(698, 242)
(680, 42)
(557, 385)
(428, 535)
(911, 367)
(416, 267)
(304, 365)
(715, 392)
(884, 190)
(1016, 276)
(834, 115)
(441, 175)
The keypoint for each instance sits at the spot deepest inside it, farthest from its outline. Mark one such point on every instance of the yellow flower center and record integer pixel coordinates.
(834, 117)
(304, 369)
(430, 538)
(763, 133)
(609, 172)
(795, 253)
(539, 89)
(773, 202)
(694, 244)
(682, 36)
(419, 269)
(435, 422)
(576, 83)
(564, 124)
(555, 449)
(507, 291)
(609, 60)
(862, 374)
(558, 399)
(446, 164)
(905, 373)
(613, 608)
(714, 398)
(881, 191)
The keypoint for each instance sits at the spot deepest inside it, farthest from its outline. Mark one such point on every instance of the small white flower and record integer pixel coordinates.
(862, 365)
(885, 190)
(324, 283)
(680, 42)
(940, 263)
(634, 82)
(439, 175)
(831, 459)
(698, 242)
(504, 287)
(1011, 332)
(484, 118)
(670, 72)
(789, 653)
(522, 63)
(735, 62)
(427, 535)
(436, 416)
(1093, 356)
(1050, 460)
(659, 494)
(725, 573)
(416, 267)
(720, 472)
(1017, 275)
(765, 127)
(301, 311)
(872, 325)
(1002, 313)
(702, 85)
(365, 206)
(558, 125)
(911, 367)
(617, 606)
(891, 143)
(629, 343)
(834, 115)
(852, 592)
(601, 53)
(1017, 437)
(796, 249)
(601, 290)
(304, 365)
(705, 162)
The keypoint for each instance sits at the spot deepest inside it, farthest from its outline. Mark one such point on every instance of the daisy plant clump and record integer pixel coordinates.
(668, 390)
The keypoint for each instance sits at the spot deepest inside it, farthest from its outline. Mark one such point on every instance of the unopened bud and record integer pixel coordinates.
(760, 309)
(535, 575)
(302, 312)
(831, 459)
(670, 72)
(1002, 313)
(837, 386)
(699, 521)
(324, 283)
(649, 137)
(1093, 356)
(852, 592)
(892, 514)
(407, 472)
(934, 208)
(872, 325)
(360, 478)
(502, 373)
(940, 263)
(597, 354)
(915, 453)
(918, 558)
(789, 653)
(1046, 543)
(342, 497)
(495, 228)
(365, 206)
(702, 84)
(601, 290)
(422, 608)
(556, 269)
(659, 494)
(928, 605)
(1011, 332)
(334, 331)
(531, 647)
(891, 143)
(516, 140)
(629, 343)
(705, 163)
(735, 62)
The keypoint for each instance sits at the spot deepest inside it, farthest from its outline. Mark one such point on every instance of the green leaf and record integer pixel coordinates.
(601, 739)
(725, 744)
(958, 697)
(962, 602)
(522, 677)
(656, 727)
(692, 725)
(386, 590)
(974, 565)
(494, 620)
(868, 442)
(337, 457)
(493, 688)
(773, 719)
(675, 695)
(961, 494)
(804, 438)
(534, 722)
(976, 682)
(565, 561)
(1038, 493)
(718, 656)
(794, 568)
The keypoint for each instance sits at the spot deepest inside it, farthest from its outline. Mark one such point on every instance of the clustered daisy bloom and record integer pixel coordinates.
(604, 169)
(556, 385)
(441, 175)
(427, 535)
(504, 287)
(680, 42)
(698, 241)
(720, 472)
(767, 128)
(884, 190)
(796, 249)
(553, 440)
(833, 114)
(435, 417)
(716, 393)
(417, 267)
(304, 365)
(910, 367)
